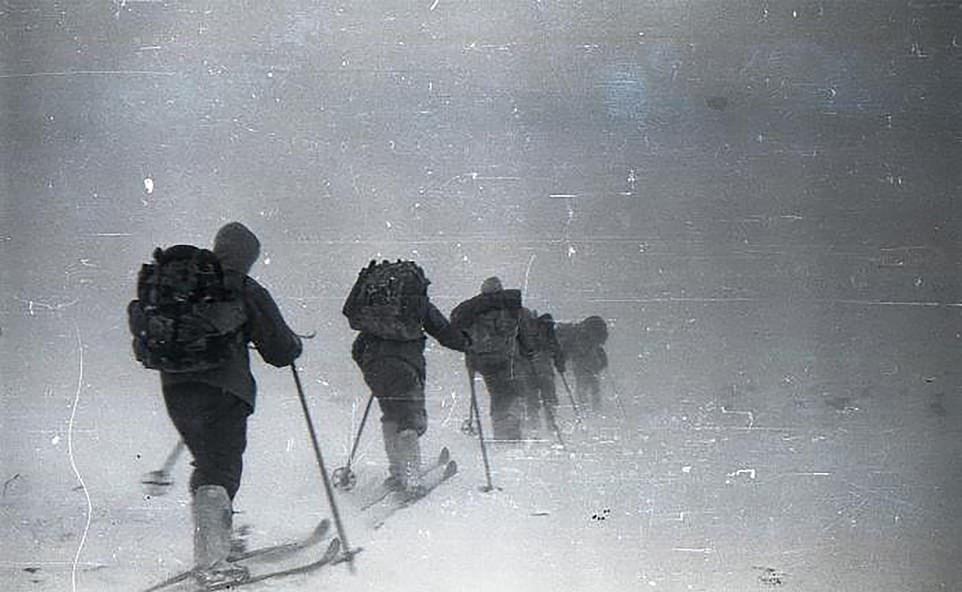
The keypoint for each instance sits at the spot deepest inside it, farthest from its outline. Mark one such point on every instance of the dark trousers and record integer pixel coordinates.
(505, 388)
(405, 409)
(399, 391)
(213, 424)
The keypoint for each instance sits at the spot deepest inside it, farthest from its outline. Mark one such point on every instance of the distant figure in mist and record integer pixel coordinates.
(499, 351)
(583, 346)
(547, 356)
(390, 307)
(195, 314)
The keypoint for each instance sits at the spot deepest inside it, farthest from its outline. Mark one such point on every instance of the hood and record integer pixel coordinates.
(491, 285)
(236, 247)
(596, 329)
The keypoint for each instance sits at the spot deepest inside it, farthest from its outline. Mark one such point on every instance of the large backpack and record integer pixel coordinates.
(494, 336)
(187, 316)
(389, 300)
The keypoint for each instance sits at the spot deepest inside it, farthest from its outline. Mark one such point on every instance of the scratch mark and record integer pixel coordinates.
(671, 299)
(88, 73)
(31, 304)
(751, 416)
(435, 5)
(527, 274)
(749, 472)
(73, 462)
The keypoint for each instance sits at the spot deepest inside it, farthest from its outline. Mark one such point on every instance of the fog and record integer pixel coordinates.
(760, 197)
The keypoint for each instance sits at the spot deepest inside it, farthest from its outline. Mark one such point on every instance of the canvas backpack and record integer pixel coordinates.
(389, 300)
(187, 316)
(494, 337)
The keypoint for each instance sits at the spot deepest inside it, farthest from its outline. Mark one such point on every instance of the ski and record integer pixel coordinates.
(330, 555)
(430, 480)
(382, 491)
(268, 552)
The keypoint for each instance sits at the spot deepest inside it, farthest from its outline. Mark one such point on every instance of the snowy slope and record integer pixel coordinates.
(795, 475)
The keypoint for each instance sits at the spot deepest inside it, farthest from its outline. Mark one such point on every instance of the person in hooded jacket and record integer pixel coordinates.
(209, 409)
(499, 351)
(539, 382)
(395, 371)
(583, 345)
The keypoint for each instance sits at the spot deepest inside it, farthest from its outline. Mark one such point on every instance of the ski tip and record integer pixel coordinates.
(333, 548)
(450, 469)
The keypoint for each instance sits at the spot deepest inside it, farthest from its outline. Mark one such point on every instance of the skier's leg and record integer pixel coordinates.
(213, 424)
(500, 391)
(212, 541)
(549, 394)
(581, 386)
(515, 411)
(409, 452)
(405, 419)
(595, 389)
(532, 404)
(389, 432)
(412, 424)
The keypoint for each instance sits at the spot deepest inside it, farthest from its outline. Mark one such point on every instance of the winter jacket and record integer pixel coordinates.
(485, 314)
(582, 348)
(238, 249)
(368, 348)
(539, 332)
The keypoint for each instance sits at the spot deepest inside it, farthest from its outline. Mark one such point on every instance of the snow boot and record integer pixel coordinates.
(394, 482)
(212, 537)
(409, 456)
(238, 542)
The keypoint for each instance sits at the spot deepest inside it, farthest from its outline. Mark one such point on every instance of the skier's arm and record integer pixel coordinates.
(277, 344)
(557, 354)
(439, 328)
(602, 358)
(358, 347)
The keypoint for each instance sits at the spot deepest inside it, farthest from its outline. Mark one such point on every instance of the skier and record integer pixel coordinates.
(390, 307)
(539, 369)
(209, 406)
(498, 351)
(583, 345)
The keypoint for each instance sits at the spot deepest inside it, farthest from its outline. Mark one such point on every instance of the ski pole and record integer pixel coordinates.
(477, 417)
(344, 477)
(549, 414)
(467, 426)
(348, 552)
(614, 385)
(158, 482)
(571, 397)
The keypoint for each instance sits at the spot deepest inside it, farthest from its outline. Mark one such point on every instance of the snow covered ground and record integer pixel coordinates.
(792, 472)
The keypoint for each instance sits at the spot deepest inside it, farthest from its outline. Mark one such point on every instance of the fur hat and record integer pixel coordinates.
(236, 247)
(491, 285)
